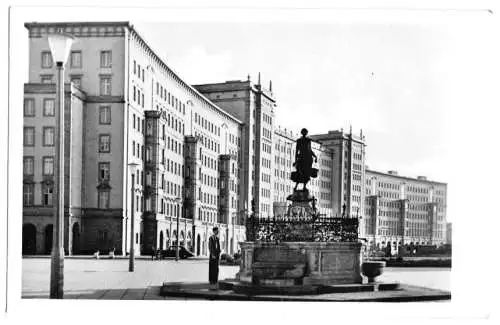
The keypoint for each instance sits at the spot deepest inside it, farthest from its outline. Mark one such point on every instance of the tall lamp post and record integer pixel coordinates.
(60, 45)
(132, 167)
(178, 201)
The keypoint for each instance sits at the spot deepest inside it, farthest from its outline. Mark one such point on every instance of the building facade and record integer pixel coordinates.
(348, 172)
(448, 233)
(135, 110)
(403, 212)
(254, 105)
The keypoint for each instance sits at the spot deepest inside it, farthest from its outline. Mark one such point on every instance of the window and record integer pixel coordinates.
(46, 79)
(105, 85)
(47, 194)
(103, 199)
(48, 166)
(149, 127)
(102, 237)
(105, 59)
(28, 194)
(48, 107)
(104, 171)
(29, 136)
(46, 59)
(48, 136)
(104, 143)
(76, 59)
(29, 107)
(28, 168)
(105, 115)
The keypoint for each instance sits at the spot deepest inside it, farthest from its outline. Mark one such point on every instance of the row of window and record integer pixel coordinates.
(138, 96)
(266, 178)
(47, 165)
(170, 99)
(29, 194)
(266, 148)
(48, 105)
(206, 124)
(75, 59)
(266, 133)
(48, 136)
(267, 119)
(138, 71)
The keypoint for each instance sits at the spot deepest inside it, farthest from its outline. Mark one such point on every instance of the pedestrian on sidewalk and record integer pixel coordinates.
(213, 261)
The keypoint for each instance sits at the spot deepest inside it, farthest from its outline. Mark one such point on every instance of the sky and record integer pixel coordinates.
(390, 80)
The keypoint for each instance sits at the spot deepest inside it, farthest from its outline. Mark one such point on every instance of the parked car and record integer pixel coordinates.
(171, 251)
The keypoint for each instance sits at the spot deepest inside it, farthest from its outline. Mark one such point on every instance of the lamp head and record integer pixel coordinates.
(133, 166)
(60, 45)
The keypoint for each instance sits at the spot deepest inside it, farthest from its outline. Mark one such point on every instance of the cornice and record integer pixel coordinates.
(369, 171)
(78, 29)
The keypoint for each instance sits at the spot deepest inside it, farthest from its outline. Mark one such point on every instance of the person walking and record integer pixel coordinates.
(213, 261)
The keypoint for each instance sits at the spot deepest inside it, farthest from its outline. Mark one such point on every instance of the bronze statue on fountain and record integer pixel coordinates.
(304, 168)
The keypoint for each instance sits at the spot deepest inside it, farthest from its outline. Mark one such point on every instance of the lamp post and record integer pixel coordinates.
(60, 45)
(178, 201)
(132, 167)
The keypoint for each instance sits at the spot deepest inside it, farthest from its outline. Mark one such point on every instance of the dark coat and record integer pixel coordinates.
(214, 247)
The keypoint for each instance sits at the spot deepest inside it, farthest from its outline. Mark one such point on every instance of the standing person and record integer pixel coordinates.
(213, 261)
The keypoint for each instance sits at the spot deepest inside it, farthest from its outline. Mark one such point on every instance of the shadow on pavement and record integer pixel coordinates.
(149, 293)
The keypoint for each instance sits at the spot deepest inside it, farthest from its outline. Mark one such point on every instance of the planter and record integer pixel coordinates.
(372, 269)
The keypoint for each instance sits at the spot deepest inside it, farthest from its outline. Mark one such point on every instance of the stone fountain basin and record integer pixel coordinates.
(372, 269)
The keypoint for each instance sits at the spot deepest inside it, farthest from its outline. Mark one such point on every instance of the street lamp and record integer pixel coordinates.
(132, 167)
(178, 201)
(60, 45)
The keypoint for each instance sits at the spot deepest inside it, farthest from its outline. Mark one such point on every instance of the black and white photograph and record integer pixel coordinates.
(286, 156)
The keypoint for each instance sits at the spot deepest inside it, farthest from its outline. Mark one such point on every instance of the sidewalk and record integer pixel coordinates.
(87, 278)
(116, 257)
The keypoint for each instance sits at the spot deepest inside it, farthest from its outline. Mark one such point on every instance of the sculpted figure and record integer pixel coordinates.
(303, 161)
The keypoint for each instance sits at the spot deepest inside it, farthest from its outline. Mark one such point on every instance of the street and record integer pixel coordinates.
(110, 279)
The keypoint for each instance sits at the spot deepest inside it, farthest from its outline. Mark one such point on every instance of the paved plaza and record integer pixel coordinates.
(110, 279)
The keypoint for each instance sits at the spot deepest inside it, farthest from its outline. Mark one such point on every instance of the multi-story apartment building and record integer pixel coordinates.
(449, 236)
(127, 107)
(348, 174)
(402, 211)
(254, 105)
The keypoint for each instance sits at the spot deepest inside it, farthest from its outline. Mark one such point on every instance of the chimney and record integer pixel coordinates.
(392, 172)
(421, 178)
(270, 85)
(258, 82)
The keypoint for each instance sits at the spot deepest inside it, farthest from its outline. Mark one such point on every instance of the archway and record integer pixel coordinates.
(181, 239)
(167, 239)
(49, 231)
(161, 240)
(188, 242)
(198, 245)
(75, 247)
(29, 239)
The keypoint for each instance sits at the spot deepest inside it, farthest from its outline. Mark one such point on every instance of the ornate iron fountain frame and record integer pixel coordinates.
(305, 229)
